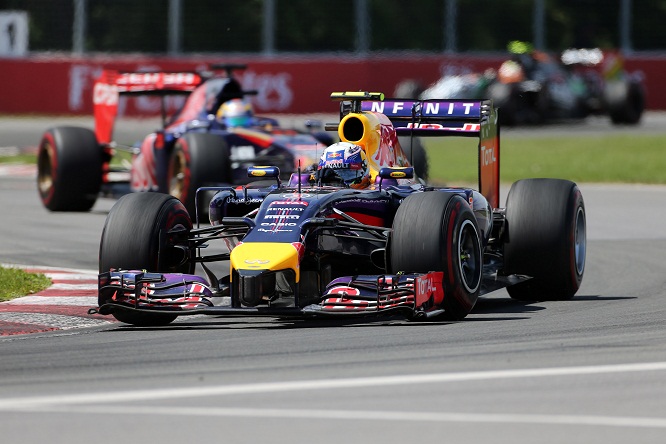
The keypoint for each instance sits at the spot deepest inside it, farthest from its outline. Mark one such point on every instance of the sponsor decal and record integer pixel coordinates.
(344, 291)
(296, 196)
(427, 286)
(467, 127)
(256, 261)
(282, 216)
(241, 153)
(104, 94)
(232, 200)
(274, 230)
(159, 79)
(438, 108)
(289, 202)
(488, 155)
(284, 209)
(337, 165)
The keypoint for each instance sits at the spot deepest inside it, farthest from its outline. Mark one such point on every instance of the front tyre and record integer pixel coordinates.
(69, 169)
(437, 231)
(136, 236)
(546, 239)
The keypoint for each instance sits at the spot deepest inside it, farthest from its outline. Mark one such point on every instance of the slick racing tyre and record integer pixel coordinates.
(69, 169)
(420, 159)
(198, 159)
(625, 101)
(437, 231)
(506, 100)
(136, 237)
(546, 239)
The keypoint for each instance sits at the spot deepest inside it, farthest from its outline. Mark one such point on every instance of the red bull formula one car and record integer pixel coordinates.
(359, 235)
(211, 140)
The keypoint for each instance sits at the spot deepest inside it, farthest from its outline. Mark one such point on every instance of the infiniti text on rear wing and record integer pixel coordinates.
(466, 118)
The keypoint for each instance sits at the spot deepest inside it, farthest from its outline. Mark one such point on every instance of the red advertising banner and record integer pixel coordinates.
(285, 84)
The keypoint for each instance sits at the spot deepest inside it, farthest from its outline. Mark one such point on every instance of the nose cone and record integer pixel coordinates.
(272, 256)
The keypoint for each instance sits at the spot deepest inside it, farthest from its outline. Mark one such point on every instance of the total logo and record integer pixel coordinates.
(487, 156)
(425, 286)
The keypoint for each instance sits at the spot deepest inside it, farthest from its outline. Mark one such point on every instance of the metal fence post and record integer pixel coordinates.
(268, 31)
(450, 26)
(79, 27)
(363, 26)
(175, 27)
(625, 26)
(539, 24)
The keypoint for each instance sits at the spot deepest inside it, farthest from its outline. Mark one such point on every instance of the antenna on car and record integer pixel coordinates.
(299, 176)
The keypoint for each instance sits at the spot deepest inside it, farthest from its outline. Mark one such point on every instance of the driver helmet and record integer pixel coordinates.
(344, 163)
(235, 112)
(511, 72)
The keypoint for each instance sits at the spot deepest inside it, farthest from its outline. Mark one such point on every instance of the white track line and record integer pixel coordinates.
(367, 415)
(324, 384)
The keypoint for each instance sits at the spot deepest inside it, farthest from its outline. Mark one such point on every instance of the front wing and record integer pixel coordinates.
(414, 295)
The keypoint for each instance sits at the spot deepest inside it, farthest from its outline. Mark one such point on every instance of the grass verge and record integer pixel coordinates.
(605, 159)
(21, 158)
(15, 282)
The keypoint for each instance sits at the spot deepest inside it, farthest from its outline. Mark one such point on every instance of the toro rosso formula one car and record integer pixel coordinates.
(211, 140)
(358, 235)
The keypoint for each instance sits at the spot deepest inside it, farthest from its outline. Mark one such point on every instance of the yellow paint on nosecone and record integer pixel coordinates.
(272, 256)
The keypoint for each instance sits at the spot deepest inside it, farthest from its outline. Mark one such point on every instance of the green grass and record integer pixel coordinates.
(15, 283)
(21, 158)
(610, 159)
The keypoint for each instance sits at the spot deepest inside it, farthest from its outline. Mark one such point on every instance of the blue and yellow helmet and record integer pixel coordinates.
(235, 112)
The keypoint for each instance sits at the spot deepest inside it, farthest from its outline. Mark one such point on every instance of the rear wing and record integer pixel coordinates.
(437, 118)
(111, 84)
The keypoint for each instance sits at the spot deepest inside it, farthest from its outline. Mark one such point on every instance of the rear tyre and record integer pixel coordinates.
(136, 237)
(198, 159)
(69, 169)
(546, 239)
(420, 159)
(625, 101)
(437, 231)
(506, 100)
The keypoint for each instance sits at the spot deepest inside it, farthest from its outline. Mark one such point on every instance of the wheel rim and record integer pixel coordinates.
(469, 256)
(580, 241)
(177, 185)
(45, 169)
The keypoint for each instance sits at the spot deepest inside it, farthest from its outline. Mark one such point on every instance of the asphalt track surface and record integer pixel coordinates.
(588, 370)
